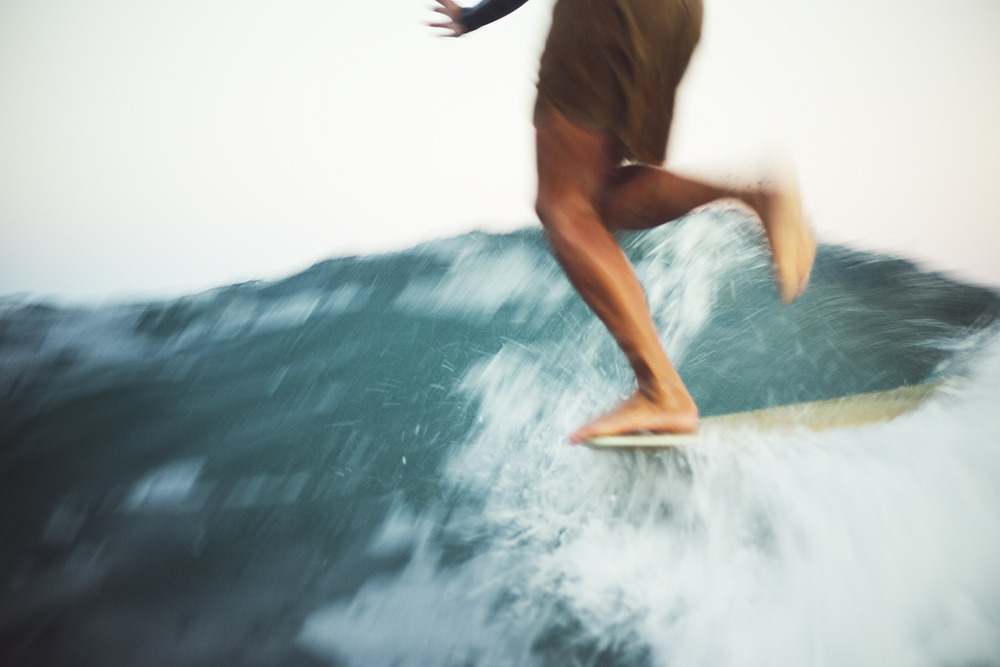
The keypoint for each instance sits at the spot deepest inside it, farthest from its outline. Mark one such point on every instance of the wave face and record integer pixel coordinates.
(365, 464)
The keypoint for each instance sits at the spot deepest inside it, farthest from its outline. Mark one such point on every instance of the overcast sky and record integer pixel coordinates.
(151, 148)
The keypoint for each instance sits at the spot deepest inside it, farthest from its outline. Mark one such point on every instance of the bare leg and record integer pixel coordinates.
(641, 197)
(573, 168)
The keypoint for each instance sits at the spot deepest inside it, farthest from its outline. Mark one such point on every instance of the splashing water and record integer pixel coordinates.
(366, 464)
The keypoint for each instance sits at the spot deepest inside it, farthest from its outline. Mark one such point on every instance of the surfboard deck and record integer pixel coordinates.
(844, 412)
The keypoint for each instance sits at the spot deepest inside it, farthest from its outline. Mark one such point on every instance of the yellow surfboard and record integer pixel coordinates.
(845, 412)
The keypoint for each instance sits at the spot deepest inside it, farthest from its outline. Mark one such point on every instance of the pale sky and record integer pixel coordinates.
(155, 149)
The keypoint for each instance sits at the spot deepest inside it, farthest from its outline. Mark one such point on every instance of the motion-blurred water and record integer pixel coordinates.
(365, 464)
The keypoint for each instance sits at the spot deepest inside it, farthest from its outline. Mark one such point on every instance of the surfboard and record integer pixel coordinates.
(844, 412)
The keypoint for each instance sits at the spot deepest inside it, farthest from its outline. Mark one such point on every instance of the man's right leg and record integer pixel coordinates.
(573, 167)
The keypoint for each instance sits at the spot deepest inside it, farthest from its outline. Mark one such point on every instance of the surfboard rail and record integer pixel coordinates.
(844, 412)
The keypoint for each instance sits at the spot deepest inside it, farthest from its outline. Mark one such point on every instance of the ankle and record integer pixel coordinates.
(669, 391)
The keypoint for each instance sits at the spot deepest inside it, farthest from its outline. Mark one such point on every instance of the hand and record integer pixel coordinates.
(453, 14)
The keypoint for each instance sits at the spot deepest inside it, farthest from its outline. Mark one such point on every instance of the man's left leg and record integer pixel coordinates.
(642, 197)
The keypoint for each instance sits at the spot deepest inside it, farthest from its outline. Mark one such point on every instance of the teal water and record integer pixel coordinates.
(365, 464)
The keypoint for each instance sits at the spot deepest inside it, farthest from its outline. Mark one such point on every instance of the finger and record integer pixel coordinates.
(444, 12)
(455, 30)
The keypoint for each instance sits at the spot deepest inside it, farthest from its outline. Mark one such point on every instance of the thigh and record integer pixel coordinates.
(572, 160)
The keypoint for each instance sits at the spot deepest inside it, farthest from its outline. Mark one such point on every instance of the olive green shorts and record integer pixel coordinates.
(613, 67)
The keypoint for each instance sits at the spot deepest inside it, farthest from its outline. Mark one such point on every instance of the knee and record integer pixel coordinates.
(563, 216)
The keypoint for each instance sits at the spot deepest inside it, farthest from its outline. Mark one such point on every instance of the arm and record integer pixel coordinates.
(461, 20)
(488, 11)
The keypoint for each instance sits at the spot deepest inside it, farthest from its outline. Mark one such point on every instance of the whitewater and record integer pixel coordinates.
(366, 464)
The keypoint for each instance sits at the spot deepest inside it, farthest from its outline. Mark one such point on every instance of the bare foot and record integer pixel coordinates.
(793, 244)
(671, 414)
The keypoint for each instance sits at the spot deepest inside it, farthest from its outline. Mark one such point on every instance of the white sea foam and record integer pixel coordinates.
(873, 546)
(172, 486)
(700, 252)
(479, 282)
(869, 546)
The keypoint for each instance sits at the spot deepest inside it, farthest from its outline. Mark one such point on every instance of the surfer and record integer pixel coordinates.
(606, 87)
